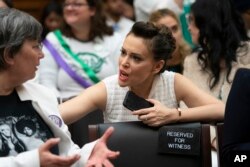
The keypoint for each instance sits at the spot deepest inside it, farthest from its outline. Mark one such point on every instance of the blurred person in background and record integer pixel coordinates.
(181, 8)
(52, 17)
(170, 19)
(114, 10)
(143, 8)
(219, 32)
(128, 11)
(224, 46)
(80, 54)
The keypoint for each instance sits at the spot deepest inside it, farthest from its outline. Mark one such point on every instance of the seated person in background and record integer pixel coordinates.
(6, 3)
(142, 65)
(128, 11)
(222, 50)
(20, 53)
(51, 18)
(82, 53)
(113, 10)
(181, 8)
(170, 19)
(237, 113)
(143, 8)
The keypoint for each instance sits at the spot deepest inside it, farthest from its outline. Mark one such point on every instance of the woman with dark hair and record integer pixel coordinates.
(82, 53)
(51, 18)
(142, 69)
(219, 31)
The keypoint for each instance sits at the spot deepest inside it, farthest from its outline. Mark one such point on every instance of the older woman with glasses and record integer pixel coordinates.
(20, 54)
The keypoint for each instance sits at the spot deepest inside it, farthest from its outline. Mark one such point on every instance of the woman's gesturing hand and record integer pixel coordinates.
(47, 159)
(101, 154)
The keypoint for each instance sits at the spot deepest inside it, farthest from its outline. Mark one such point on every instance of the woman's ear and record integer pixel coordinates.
(7, 58)
(158, 66)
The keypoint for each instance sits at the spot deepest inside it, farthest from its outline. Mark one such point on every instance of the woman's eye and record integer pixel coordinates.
(123, 52)
(174, 29)
(136, 58)
(38, 46)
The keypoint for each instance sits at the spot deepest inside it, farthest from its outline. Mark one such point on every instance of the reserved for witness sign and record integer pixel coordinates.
(180, 139)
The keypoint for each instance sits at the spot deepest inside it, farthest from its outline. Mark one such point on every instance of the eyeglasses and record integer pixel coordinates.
(38, 47)
(74, 5)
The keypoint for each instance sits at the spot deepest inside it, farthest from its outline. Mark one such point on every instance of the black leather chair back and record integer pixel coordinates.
(138, 145)
(79, 129)
(219, 141)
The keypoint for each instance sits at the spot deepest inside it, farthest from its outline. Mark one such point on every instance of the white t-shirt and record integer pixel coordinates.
(101, 57)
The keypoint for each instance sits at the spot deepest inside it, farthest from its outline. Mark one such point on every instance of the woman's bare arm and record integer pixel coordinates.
(90, 99)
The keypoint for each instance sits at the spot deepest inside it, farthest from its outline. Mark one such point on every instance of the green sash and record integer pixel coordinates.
(91, 74)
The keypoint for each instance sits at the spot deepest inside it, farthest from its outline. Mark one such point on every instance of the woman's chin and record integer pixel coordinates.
(122, 84)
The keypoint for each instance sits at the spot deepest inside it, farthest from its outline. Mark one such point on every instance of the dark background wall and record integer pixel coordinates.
(33, 7)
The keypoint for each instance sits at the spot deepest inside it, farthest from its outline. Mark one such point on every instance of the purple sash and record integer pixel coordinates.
(64, 65)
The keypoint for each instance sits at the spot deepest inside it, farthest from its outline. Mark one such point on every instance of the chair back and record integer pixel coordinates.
(138, 144)
(79, 129)
(219, 141)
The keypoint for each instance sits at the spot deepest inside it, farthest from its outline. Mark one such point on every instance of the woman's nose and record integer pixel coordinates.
(125, 61)
(41, 55)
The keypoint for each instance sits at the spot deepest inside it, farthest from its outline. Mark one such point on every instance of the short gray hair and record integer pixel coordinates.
(16, 27)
